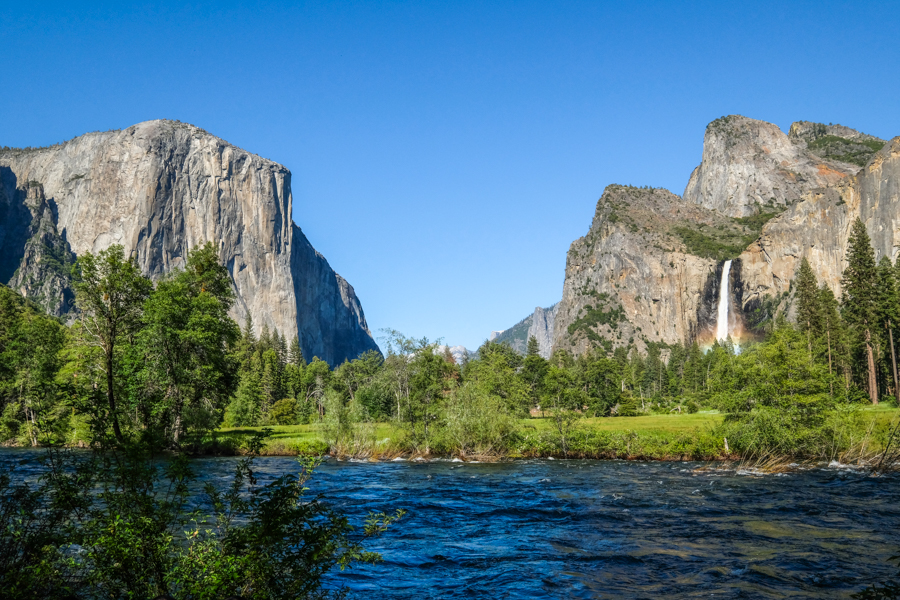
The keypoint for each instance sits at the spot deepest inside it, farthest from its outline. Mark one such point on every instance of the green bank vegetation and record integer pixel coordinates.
(150, 374)
(166, 361)
(142, 373)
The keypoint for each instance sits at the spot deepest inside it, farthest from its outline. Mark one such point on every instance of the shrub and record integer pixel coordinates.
(476, 423)
(284, 412)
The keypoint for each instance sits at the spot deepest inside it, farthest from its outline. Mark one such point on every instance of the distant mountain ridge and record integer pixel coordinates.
(538, 324)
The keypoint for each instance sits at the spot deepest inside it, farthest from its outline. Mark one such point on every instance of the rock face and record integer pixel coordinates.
(631, 279)
(835, 142)
(818, 228)
(751, 166)
(161, 188)
(539, 324)
(650, 267)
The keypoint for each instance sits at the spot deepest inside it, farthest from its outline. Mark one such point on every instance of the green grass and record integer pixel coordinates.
(656, 423)
(651, 436)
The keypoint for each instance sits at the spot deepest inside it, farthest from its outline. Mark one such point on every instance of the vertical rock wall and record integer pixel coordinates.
(160, 188)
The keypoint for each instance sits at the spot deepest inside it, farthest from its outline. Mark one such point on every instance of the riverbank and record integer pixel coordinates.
(698, 436)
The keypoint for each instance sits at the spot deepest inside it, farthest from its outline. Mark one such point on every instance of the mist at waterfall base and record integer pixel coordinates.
(597, 529)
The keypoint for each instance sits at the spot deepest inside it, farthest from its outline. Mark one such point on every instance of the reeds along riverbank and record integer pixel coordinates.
(872, 444)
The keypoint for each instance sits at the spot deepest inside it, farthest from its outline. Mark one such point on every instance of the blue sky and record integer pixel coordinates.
(445, 154)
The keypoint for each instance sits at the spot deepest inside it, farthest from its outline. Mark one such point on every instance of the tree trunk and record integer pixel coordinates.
(830, 380)
(870, 356)
(894, 363)
(111, 398)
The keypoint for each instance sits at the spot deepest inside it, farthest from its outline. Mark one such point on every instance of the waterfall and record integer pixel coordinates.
(722, 319)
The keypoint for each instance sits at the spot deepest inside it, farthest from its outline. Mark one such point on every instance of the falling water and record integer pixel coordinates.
(722, 319)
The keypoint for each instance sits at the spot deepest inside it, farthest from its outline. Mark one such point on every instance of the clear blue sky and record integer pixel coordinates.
(445, 154)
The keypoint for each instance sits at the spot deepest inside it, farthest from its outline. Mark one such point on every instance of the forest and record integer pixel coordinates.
(166, 362)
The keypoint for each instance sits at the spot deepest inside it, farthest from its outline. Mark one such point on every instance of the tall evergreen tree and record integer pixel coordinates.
(807, 302)
(859, 304)
(533, 346)
(281, 347)
(888, 306)
(295, 354)
(265, 338)
(832, 337)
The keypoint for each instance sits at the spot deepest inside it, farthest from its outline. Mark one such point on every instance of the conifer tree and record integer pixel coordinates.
(265, 338)
(888, 300)
(295, 353)
(281, 347)
(807, 295)
(860, 306)
(533, 347)
(832, 337)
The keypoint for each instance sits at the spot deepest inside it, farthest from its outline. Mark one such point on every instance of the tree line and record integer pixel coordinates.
(167, 361)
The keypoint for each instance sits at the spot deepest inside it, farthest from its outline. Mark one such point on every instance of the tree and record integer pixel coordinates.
(859, 303)
(295, 354)
(833, 335)
(807, 298)
(184, 340)
(533, 370)
(110, 296)
(888, 305)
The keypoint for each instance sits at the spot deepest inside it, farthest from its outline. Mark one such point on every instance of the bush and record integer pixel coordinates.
(476, 423)
(284, 412)
(140, 536)
(346, 427)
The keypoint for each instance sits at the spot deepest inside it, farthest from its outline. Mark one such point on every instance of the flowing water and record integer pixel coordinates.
(722, 316)
(607, 529)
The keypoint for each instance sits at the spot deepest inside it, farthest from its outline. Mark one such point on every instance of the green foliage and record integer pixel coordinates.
(347, 427)
(857, 152)
(595, 316)
(859, 307)
(477, 424)
(284, 412)
(723, 243)
(132, 516)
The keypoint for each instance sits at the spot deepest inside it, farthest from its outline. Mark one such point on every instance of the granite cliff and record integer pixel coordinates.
(650, 267)
(160, 188)
(750, 166)
(538, 324)
(818, 228)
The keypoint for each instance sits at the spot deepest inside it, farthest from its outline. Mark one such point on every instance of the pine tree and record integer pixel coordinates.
(807, 298)
(533, 347)
(860, 306)
(265, 338)
(247, 332)
(832, 338)
(295, 354)
(281, 347)
(888, 300)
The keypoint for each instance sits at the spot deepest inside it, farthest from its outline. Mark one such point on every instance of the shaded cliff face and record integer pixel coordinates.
(631, 279)
(161, 188)
(538, 324)
(818, 228)
(751, 166)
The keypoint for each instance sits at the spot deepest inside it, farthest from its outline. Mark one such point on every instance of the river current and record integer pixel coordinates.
(608, 529)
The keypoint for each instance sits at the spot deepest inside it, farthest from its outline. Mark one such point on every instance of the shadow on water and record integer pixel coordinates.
(606, 529)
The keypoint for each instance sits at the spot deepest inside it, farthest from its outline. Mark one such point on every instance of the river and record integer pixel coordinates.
(610, 529)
